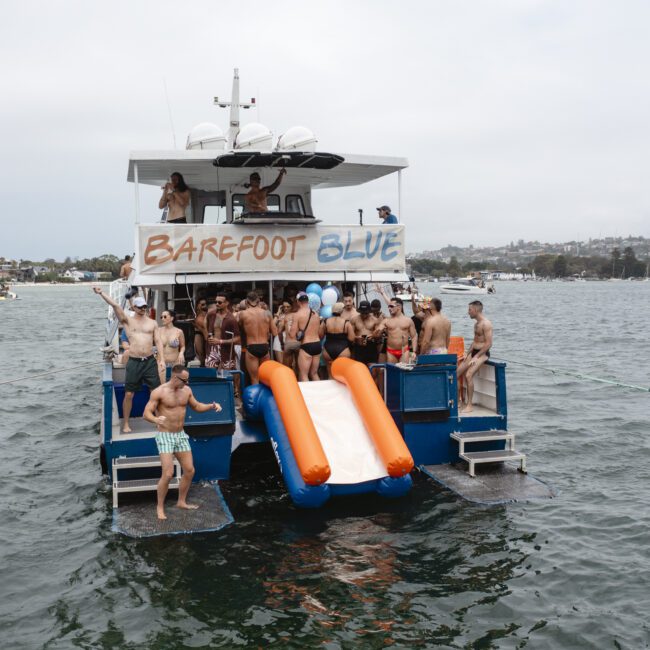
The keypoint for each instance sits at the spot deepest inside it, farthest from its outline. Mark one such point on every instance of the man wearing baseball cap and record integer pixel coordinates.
(143, 334)
(386, 215)
(255, 200)
(365, 340)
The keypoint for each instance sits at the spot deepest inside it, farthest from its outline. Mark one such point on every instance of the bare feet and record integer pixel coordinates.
(161, 513)
(126, 429)
(466, 408)
(187, 506)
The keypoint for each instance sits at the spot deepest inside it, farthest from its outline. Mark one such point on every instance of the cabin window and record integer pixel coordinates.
(213, 214)
(295, 204)
(272, 202)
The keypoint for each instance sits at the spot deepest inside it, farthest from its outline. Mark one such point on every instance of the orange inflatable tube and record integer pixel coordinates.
(379, 422)
(305, 444)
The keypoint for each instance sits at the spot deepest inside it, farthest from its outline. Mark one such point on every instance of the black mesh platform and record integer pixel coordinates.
(492, 485)
(138, 518)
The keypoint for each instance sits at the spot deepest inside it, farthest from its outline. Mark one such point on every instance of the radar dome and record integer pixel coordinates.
(206, 136)
(254, 137)
(297, 138)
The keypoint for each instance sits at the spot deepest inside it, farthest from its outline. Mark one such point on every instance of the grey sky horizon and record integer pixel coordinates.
(521, 119)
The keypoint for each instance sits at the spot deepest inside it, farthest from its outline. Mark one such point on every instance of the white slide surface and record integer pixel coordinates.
(347, 444)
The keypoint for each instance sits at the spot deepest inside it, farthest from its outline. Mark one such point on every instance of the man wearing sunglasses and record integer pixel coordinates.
(166, 409)
(402, 338)
(142, 333)
(223, 335)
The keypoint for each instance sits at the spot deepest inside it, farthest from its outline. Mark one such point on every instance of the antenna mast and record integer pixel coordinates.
(235, 105)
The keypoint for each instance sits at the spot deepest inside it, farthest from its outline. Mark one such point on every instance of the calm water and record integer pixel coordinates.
(426, 570)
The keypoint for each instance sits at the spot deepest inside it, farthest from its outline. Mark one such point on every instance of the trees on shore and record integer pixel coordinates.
(618, 265)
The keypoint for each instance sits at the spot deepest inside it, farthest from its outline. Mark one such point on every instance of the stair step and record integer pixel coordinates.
(124, 462)
(492, 456)
(143, 484)
(480, 436)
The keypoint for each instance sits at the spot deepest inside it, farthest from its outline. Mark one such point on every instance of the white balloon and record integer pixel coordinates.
(330, 296)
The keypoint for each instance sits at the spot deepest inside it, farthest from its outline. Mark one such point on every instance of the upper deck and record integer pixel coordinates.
(287, 241)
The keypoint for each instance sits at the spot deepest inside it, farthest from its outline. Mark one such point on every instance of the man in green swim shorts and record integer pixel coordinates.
(166, 409)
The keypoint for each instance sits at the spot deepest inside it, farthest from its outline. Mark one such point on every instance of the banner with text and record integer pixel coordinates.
(200, 249)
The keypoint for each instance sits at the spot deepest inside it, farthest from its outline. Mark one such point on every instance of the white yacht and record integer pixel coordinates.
(467, 286)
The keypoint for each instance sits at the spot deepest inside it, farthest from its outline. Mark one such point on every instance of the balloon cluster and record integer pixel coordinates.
(320, 299)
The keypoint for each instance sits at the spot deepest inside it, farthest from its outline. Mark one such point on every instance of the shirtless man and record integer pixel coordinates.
(125, 269)
(375, 308)
(365, 334)
(223, 334)
(349, 312)
(436, 329)
(307, 321)
(398, 329)
(166, 409)
(143, 334)
(255, 200)
(201, 329)
(175, 197)
(478, 353)
(258, 325)
(291, 347)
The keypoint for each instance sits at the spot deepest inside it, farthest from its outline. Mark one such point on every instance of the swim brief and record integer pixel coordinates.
(312, 349)
(139, 370)
(169, 442)
(259, 350)
(396, 353)
(437, 351)
(475, 352)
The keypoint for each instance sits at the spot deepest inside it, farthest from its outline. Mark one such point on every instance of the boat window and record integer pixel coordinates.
(213, 214)
(272, 202)
(295, 204)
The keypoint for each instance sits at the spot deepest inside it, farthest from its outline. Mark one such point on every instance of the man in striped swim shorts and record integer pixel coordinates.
(166, 409)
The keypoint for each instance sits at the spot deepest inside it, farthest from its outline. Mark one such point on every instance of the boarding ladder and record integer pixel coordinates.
(500, 455)
(144, 484)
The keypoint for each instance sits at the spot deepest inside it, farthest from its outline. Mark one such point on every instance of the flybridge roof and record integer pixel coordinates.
(204, 170)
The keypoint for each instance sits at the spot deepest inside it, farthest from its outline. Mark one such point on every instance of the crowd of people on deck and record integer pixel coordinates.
(235, 332)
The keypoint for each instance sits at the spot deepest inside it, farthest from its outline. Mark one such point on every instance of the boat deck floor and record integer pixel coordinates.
(139, 428)
(136, 516)
(478, 412)
(493, 484)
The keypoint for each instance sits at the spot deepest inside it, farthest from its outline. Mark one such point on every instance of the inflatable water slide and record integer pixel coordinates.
(332, 437)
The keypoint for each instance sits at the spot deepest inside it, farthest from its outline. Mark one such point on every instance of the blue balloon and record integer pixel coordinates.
(314, 287)
(326, 311)
(314, 301)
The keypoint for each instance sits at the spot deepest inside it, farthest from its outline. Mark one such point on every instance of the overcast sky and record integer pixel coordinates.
(520, 119)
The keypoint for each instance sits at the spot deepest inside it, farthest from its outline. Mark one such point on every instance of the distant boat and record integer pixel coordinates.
(468, 286)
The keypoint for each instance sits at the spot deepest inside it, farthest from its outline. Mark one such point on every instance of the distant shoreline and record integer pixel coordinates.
(20, 285)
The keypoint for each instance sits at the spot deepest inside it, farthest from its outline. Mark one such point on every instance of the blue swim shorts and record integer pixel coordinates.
(170, 443)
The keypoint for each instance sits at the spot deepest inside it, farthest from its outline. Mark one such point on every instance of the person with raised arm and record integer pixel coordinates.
(256, 199)
(142, 333)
